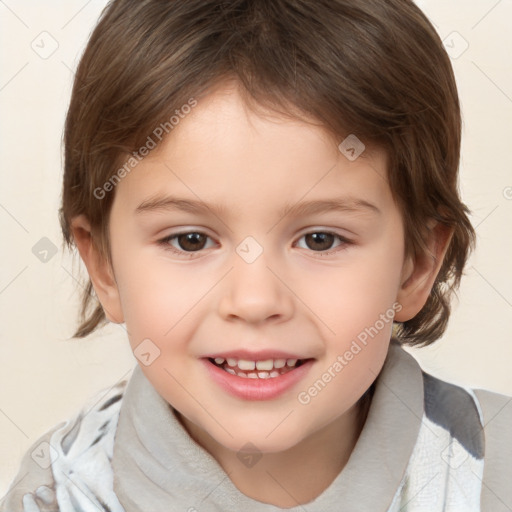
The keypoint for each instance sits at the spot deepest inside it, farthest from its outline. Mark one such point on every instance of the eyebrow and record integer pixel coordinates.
(345, 204)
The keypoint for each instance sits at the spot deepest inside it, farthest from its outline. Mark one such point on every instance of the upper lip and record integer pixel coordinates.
(260, 355)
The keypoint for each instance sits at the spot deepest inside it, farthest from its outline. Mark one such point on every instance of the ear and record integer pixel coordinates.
(100, 271)
(418, 276)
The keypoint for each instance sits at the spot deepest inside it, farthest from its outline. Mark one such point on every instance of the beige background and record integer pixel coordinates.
(46, 377)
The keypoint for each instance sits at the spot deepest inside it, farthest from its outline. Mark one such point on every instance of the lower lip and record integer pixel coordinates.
(257, 389)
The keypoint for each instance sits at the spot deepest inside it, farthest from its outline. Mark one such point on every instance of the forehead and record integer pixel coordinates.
(226, 152)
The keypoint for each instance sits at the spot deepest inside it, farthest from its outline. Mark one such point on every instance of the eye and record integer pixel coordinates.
(321, 241)
(188, 243)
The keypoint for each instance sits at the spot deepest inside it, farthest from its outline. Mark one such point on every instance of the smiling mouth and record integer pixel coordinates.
(265, 369)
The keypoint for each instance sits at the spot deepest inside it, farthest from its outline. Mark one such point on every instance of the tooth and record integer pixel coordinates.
(252, 375)
(242, 374)
(274, 374)
(243, 364)
(291, 362)
(230, 370)
(219, 360)
(231, 361)
(279, 363)
(265, 365)
(263, 375)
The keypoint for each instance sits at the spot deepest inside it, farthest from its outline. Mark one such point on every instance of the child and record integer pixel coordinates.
(209, 147)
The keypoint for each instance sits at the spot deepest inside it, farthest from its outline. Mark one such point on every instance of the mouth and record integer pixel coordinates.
(261, 369)
(264, 375)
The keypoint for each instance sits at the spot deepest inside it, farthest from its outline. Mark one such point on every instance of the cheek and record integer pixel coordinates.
(153, 299)
(358, 310)
(353, 360)
(352, 297)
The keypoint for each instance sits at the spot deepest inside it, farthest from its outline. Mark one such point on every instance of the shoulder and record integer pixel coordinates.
(481, 421)
(84, 435)
(497, 428)
(456, 407)
(496, 420)
(34, 479)
(457, 410)
(495, 404)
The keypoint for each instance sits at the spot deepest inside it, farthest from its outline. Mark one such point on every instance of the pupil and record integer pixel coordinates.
(190, 241)
(319, 238)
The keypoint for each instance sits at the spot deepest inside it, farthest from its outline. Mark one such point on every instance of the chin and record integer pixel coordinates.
(247, 437)
(280, 438)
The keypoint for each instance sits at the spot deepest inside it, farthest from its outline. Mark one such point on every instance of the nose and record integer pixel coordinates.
(255, 293)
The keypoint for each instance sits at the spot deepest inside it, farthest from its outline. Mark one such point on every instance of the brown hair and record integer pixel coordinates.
(374, 68)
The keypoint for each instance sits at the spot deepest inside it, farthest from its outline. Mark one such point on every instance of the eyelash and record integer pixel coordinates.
(165, 243)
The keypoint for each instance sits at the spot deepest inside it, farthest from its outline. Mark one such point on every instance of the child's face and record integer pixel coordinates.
(262, 285)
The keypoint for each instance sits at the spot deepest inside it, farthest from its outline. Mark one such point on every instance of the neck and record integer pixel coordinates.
(298, 475)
